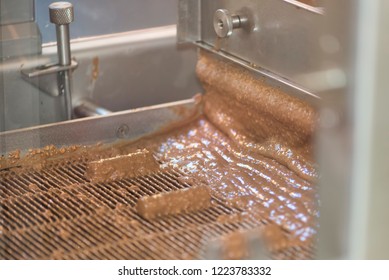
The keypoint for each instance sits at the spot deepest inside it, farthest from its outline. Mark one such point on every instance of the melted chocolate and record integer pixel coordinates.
(134, 164)
(235, 246)
(172, 203)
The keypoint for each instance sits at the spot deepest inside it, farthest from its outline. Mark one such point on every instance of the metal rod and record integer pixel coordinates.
(64, 87)
(61, 14)
(90, 109)
(63, 44)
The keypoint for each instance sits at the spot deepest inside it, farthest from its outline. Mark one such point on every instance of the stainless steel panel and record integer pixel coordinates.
(277, 36)
(100, 17)
(134, 69)
(118, 72)
(2, 101)
(19, 39)
(189, 23)
(354, 150)
(12, 11)
(137, 122)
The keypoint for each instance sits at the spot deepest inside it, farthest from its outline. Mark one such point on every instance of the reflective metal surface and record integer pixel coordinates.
(19, 34)
(87, 108)
(62, 14)
(113, 71)
(19, 39)
(354, 146)
(277, 36)
(101, 17)
(92, 130)
(224, 23)
(11, 13)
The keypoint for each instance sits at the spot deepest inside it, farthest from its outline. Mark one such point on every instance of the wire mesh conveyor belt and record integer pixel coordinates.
(56, 213)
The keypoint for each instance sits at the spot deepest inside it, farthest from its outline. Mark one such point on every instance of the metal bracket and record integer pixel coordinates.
(43, 76)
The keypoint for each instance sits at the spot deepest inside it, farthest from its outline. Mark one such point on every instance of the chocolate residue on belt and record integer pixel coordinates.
(186, 180)
(276, 239)
(259, 185)
(64, 233)
(252, 148)
(33, 188)
(37, 159)
(134, 164)
(134, 188)
(232, 218)
(255, 243)
(235, 246)
(172, 203)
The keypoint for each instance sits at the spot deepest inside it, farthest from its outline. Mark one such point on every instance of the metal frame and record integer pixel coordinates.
(354, 137)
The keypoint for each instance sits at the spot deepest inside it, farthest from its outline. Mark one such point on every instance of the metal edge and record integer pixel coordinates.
(147, 33)
(291, 87)
(316, 10)
(138, 122)
(121, 113)
(188, 25)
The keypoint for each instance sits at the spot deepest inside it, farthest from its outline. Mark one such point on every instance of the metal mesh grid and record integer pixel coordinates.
(57, 214)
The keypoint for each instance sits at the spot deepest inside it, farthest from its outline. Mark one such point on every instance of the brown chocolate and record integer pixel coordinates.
(37, 159)
(134, 164)
(175, 202)
(255, 115)
(64, 233)
(232, 218)
(120, 220)
(33, 188)
(134, 188)
(275, 238)
(241, 244)
(186, 180)
(235, 246)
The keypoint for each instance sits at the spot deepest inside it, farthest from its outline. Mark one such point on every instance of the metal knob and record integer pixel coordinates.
(61, 13)
(224, 23)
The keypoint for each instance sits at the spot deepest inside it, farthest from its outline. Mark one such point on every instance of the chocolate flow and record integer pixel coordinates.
(249, 146)
(262, 187)
(259, 117)
(252, 148)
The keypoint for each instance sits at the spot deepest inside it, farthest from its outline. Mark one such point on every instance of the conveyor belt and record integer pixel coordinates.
(57, 214)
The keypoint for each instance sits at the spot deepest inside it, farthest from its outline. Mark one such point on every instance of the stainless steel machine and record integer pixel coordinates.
(116, 80)
(331, 55)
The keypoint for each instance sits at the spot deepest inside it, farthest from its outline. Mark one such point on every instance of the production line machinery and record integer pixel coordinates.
(310, 53)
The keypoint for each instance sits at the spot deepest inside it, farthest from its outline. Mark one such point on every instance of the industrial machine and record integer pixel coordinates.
(330, 55)
(30, 101)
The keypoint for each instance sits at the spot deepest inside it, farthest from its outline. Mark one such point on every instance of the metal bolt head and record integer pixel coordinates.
(222, 23)
(61, 13)
(123, 131)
